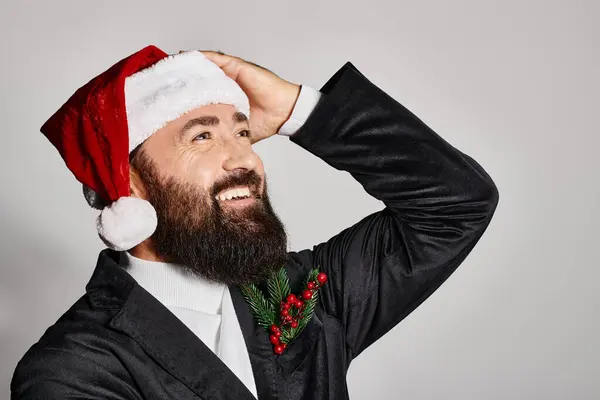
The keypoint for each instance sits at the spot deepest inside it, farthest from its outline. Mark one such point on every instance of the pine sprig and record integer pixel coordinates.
(311, 303)
(263, 310)
(289, 334)
(312, 275)
(278, 314)
(279, 287)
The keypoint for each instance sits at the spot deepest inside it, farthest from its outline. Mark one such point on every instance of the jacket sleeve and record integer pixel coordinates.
(438, 203)
(54, 373)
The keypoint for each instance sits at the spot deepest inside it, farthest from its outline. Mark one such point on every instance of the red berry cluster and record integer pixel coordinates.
(287, 318)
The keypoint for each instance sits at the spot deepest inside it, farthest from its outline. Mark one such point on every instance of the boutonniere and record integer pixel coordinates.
(284, 315)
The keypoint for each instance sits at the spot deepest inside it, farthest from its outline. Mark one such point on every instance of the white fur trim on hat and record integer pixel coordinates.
(172, 87)
(126, 223)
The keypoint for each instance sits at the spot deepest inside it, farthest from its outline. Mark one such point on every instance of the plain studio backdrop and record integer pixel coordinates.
(514, 84)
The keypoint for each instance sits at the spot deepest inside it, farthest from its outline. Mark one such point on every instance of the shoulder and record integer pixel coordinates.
(79, 344)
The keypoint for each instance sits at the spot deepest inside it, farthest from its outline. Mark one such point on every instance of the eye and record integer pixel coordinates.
(201, 137)
(245, 133)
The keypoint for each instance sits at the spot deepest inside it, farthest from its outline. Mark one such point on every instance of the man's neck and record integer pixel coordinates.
(146, 251)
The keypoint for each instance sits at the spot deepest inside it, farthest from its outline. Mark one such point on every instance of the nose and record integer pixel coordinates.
(239, 157)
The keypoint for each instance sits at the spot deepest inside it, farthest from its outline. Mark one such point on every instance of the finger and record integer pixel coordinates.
(222, 59)
(261, 67)
(219, 58)
(229, 64)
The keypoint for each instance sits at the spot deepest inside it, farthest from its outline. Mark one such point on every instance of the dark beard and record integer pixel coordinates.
(229, 246)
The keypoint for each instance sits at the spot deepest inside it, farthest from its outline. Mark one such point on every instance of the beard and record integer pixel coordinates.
(229, 245)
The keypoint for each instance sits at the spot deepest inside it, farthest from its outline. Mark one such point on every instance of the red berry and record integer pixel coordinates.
(284, 345)
(284, 312)
(288, 318)
(278, 333)
(299, 303)
(286, 306)
(307, 294)
(274, 339)
(322, 277)
(311, 285)
(278, 348)
(294, 324)
(291, 298)
(274, 328)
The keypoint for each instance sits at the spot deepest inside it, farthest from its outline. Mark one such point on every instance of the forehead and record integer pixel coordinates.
(205, 117)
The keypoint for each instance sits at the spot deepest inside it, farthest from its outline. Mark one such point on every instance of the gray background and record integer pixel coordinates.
(514, 84)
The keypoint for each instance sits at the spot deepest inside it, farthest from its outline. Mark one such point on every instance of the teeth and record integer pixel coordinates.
(237, 192)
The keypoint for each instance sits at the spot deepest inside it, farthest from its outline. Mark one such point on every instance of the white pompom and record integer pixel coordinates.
(126, 223)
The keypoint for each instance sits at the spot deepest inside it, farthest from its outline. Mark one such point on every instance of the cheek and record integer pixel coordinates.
(197, 171)
(259, 168)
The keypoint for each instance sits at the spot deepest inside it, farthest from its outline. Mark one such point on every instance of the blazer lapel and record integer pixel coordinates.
(259, 348)
(162, 335)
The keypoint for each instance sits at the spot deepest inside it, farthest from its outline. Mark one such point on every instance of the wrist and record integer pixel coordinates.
(291, 92)
(305, 104)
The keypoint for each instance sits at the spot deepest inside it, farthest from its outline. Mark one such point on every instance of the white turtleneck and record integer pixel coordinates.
(205, 307)
(195, 301)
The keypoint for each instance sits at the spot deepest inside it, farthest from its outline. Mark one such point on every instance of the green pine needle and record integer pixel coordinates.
(262, 309)
(279, 287)
(311, 303)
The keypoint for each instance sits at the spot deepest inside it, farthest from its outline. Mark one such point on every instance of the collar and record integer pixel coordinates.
(173, 286)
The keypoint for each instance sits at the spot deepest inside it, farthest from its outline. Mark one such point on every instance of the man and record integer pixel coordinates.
(163, 145)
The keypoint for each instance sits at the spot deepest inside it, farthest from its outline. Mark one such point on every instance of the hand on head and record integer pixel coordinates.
(272, 98)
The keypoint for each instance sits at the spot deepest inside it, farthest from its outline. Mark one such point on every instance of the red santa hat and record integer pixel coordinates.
(103, 121)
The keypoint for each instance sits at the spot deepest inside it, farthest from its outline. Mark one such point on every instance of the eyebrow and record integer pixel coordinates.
(240, 117)
(206, 120)
(212, 120)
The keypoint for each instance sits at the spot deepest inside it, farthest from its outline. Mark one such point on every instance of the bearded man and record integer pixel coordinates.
(163, 146)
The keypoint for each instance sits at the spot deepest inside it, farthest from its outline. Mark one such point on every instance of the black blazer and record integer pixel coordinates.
(119, 342)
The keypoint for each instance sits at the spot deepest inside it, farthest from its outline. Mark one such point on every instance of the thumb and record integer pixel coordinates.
(229, 64)
(217, 57)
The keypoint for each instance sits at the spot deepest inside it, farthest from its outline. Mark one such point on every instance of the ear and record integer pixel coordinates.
(136, 185)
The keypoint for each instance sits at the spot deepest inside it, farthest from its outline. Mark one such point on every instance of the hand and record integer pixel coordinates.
(272, 98)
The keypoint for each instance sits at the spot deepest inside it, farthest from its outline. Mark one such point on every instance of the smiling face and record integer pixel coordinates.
(209, 190)
(204, 147)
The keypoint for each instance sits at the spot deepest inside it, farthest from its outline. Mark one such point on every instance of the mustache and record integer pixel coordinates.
(239, 178)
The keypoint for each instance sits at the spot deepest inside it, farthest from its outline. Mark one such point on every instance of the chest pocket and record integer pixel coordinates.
(297, 351)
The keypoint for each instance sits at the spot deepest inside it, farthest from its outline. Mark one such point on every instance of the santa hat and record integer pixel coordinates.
(103, 121)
